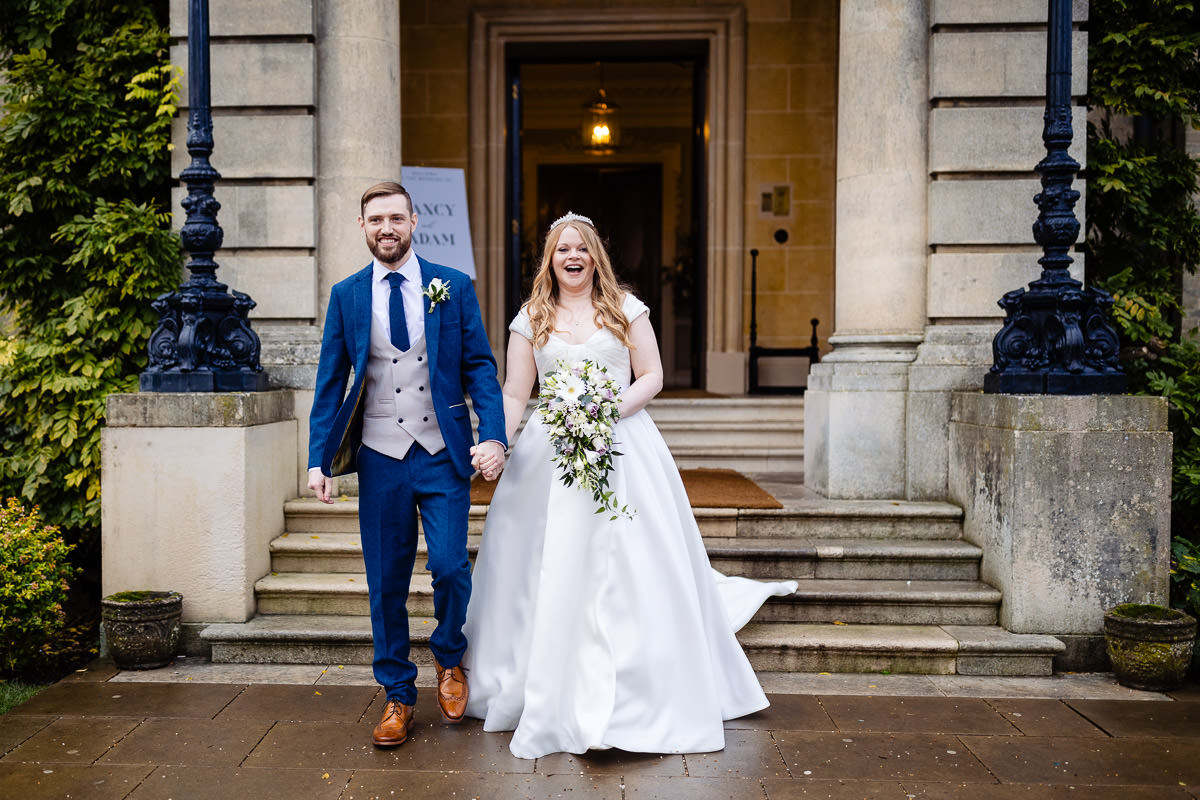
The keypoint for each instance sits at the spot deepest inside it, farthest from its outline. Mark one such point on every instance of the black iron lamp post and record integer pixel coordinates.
(203, 342)
(1057, 336)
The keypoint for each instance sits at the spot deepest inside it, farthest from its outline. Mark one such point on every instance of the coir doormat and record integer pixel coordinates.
(706, 488)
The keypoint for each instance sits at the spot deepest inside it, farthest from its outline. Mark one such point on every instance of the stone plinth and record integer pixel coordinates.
(1070, 499)
(194, 487)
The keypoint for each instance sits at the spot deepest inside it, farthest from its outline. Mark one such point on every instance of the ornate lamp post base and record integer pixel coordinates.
(1055, 340)
(204, 343)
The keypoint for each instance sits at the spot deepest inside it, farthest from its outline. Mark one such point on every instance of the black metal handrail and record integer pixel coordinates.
(757, 352)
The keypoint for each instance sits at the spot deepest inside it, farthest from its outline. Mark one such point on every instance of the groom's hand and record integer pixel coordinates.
(321, 485)
(488, 458)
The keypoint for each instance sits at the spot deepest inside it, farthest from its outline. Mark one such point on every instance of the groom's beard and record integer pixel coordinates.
(390, 252)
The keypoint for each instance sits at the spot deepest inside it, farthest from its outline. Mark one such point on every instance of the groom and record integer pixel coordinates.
(412, 334)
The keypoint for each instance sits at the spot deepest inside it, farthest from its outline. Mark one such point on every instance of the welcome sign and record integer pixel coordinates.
(443, 233)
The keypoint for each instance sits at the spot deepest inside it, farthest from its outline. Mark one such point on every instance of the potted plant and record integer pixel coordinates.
(1150, 646)
(141, 628)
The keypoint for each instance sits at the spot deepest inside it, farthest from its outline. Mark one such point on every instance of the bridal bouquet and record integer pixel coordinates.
(578, 404)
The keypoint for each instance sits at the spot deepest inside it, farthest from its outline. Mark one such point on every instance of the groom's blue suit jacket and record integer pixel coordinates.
(460, 363)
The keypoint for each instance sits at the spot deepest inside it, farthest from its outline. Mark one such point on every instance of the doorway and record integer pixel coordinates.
(501, 136)
(641, 193)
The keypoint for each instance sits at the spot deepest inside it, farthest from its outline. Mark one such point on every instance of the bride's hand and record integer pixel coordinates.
(488, 458)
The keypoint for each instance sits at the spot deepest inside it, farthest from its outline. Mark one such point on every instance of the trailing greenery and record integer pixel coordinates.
(88, 98)
(34, 580)
(1143, 231)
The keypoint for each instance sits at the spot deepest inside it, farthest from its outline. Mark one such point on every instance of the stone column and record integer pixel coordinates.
(985, 62)
(194, 487)
(358, 144)
(358, 125)
(855, 405)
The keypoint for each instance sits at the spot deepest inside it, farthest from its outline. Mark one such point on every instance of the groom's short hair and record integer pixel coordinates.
(384, 189)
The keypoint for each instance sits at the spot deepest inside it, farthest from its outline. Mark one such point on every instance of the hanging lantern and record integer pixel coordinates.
(601, 132)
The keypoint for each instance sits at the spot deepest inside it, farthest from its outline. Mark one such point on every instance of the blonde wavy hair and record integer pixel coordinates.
(607, 292)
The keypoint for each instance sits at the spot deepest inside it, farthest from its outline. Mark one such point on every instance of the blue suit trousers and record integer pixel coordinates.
(391, 492)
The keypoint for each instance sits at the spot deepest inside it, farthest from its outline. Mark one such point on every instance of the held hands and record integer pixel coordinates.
(488, 458)
(321, 485)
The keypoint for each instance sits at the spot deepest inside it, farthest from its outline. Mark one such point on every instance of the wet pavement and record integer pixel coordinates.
(198, 730)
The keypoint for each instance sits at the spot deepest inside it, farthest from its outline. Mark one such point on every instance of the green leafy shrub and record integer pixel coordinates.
(85, 244)
(1143, 229)
(35, 577)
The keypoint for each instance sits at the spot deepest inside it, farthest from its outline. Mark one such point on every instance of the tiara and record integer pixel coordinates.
(570, 216)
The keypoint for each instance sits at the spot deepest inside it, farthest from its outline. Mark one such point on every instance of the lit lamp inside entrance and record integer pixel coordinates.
(601, 131)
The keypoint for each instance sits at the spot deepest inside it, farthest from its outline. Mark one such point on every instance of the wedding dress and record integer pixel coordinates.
(587, 633)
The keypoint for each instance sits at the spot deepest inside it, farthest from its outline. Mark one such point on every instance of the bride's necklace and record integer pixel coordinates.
(577, 320)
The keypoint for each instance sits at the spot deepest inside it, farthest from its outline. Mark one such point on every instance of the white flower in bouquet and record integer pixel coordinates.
(578, 404)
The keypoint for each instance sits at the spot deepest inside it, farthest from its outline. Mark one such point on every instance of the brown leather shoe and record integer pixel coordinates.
(452, 692)
(393, 729)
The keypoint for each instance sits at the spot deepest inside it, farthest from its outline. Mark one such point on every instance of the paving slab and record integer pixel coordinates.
(747, 754)
(131, 700)
(879, 757)
(45, 782)
(15, 729)
(785, 683)
(209, 783)
(422, 785)
(302, 703)
(1044, 759)
(1117, 718)
(792, 712)
(347, 745)
(916, 715)
(1043, 717)
(208, 743)
(1024, 791)
(611, 762)
(195, 670)
(78, 740)
(1094, 685)
(646, 787)
(809, 789)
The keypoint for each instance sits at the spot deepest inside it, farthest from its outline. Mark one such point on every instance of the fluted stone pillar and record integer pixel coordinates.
(855, 405)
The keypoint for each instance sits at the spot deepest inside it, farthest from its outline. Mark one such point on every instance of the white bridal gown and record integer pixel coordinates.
(587, 633)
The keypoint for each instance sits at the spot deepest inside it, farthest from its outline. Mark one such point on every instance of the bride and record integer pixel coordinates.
(588, 630)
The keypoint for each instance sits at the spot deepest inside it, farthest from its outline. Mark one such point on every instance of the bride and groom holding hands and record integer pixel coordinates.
(576, 630)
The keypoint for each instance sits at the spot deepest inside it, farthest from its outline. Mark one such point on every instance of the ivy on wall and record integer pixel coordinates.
(87, 99)
(1143, 230)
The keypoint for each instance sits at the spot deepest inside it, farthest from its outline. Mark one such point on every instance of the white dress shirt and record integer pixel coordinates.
(381, 292)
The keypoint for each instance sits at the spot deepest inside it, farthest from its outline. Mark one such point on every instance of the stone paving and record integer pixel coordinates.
(215, 731)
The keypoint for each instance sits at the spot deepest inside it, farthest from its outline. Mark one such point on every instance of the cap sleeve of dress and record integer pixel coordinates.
(520, 324)
(633, 308)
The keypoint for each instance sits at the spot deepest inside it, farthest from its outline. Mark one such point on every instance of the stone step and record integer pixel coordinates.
(888, 602)
(817, 600)
(863, 559)
(771, 647)
(809, 518)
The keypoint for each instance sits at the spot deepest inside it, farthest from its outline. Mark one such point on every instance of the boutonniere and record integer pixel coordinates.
(436, 291)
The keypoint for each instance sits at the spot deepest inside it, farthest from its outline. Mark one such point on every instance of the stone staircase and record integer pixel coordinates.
(884, 585)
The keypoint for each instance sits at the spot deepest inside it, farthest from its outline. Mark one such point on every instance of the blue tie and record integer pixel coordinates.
(396, 311)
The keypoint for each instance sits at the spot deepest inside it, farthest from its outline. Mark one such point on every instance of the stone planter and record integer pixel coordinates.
(142, 628)
(1150, 646)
